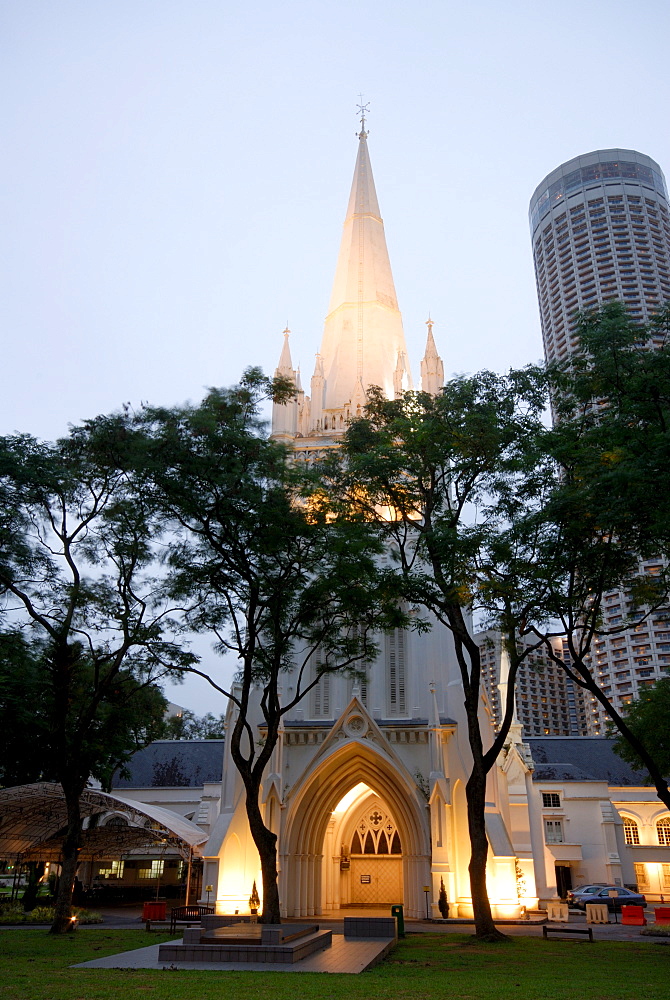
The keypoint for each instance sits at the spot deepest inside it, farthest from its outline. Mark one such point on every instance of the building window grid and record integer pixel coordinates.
(663, 831)
(631, 831)
(641, 876)
(553, 831)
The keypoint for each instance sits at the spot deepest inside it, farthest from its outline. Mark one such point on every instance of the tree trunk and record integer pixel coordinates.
(475, 792)
(63, 905)
(266, 845)
(35, 873)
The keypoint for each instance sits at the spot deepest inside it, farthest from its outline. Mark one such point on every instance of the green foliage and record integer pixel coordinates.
(90, 631)
(189, 726)
(613, 402)
(15, 914)
(84, 613)
(34, 966)
(442, 478)
(606, 501)
(648, 717)
(520, 879)
(31, 722)
(258, 559)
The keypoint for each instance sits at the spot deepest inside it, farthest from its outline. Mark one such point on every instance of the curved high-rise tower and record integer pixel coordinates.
(600, 226)
(601, 230)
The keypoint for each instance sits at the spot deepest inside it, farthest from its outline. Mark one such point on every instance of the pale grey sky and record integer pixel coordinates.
(174, 176)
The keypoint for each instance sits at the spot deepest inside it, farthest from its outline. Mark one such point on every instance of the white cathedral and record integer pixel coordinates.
(366, 787)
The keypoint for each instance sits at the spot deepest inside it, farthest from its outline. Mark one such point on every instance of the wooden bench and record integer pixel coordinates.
(567, 930)
(188, 915)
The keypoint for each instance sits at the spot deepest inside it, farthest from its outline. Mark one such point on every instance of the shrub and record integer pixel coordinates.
(15, 914)
(657, 930)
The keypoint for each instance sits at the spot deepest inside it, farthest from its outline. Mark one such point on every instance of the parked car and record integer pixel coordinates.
(583, 890)
(601, 894)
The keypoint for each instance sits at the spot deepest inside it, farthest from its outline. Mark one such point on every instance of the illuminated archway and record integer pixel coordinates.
(311, 806)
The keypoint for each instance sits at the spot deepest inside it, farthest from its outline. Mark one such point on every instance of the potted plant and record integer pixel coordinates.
(254, 901)
(442, 901)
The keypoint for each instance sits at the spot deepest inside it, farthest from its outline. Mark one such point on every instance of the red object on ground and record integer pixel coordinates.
(153, 911)
(662, 915)
(633, 915)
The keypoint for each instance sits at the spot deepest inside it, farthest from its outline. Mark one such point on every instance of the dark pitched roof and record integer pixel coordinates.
(174, 764)
(581, 758)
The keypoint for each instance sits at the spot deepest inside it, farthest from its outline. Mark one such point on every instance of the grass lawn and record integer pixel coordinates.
(34, 966)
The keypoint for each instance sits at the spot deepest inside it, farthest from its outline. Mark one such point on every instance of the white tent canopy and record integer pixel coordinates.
(33, 818)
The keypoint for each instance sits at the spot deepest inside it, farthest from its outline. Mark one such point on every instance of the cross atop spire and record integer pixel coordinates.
(362, 111)
(363, 332)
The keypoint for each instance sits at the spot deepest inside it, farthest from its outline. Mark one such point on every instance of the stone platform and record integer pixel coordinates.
(220, 940)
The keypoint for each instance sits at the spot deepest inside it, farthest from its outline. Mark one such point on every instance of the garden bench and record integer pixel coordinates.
(567, 930)
(188, 915)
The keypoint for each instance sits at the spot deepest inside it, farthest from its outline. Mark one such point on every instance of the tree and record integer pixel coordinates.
(648, 718)
(76, 551)
(129, 718)
(566, 560)
(612, 402)
(606, 507)
(264, 564)
(188, 726)
(439, 477)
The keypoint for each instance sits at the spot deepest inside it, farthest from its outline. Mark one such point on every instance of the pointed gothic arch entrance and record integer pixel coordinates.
(367, 871)
(329, 804)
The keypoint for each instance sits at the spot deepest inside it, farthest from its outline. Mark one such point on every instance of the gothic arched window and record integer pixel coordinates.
(631, 831)
(663, 831)
(374, 832)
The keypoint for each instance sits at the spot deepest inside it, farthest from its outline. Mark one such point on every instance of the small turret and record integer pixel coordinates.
(401, 376)
(318, 393)
(432, 369)
(285, 415)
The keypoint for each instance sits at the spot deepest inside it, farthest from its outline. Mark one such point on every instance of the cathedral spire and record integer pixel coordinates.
(432, 369)
(285, 366)
(285, 415)
(363, 334)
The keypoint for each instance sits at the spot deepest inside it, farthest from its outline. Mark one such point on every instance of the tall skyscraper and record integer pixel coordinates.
(601, 230)
(547, 701)
(600, 226)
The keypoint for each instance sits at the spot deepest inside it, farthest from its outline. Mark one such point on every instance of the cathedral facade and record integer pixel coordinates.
(366, 786)
(366, 790)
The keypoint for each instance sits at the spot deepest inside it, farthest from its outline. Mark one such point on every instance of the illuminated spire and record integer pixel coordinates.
(363, 334)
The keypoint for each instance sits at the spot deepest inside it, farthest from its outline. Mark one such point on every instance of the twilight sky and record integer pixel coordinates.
(174, 177)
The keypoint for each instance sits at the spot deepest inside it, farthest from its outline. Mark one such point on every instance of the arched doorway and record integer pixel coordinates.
(355, 790)
(370, 851)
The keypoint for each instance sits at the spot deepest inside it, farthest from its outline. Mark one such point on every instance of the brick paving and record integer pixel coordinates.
(345, 956)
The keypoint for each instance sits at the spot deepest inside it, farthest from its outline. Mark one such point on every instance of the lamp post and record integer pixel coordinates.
(426, 889)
